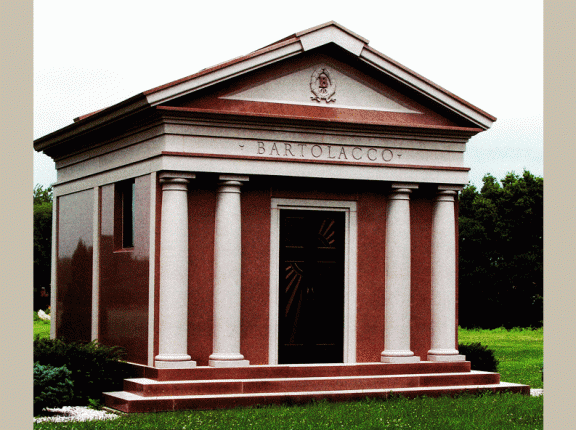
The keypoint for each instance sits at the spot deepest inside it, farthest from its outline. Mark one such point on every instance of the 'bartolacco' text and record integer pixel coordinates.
(324, 152)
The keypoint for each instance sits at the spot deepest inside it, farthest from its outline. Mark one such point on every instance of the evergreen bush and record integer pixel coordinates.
(480, 357)
(95, 368)
(53, 387)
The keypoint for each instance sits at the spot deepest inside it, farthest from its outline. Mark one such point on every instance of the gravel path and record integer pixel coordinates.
(74, 413)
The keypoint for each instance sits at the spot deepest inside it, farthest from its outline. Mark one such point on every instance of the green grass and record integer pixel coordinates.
(488, 411)
(41, 328)
(520, 352)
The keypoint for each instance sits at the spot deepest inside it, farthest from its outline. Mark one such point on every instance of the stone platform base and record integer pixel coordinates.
(219, 388)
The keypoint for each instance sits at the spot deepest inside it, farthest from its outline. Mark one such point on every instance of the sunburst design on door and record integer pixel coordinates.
(294, 276)
(326, 233)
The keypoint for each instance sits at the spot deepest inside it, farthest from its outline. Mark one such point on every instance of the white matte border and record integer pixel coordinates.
(350, 252)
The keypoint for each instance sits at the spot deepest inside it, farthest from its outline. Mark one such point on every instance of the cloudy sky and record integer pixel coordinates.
(90, 55)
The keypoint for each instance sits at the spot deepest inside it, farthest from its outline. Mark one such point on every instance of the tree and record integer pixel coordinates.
(500, 252)
(42, 244)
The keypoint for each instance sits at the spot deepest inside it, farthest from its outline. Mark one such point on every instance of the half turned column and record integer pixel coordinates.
(227, 274)
(173, 336)
(443, 331)
(397, 278)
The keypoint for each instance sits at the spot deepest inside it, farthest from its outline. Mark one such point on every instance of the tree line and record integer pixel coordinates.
(500, 251)
(501, 232)
(42, 245)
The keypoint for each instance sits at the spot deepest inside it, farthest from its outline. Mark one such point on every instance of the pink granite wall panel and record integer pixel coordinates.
(74, 266)
(124, 275)
(371, 276)
(421, 239)
(201, 216)
(255, 273)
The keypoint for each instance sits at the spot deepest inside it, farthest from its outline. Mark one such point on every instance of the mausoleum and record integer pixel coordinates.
(287, 217)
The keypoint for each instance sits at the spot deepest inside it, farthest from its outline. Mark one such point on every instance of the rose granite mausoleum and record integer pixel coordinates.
(279, 227)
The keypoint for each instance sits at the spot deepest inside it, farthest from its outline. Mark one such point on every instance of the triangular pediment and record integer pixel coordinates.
(384, 92)
(323, 84)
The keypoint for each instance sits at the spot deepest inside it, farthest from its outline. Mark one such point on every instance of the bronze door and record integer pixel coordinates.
(311, 313)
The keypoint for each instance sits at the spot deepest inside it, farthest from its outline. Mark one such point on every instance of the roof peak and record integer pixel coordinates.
(330, 35)
(333, 24)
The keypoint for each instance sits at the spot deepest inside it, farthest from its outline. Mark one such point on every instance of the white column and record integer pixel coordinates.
(173, 336)
(227, 274)
(397, 277)
(443, 328)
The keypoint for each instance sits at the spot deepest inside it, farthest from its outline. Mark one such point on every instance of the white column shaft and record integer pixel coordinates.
(227, 277)
(443, 330)
(173, 336)
(397, 279)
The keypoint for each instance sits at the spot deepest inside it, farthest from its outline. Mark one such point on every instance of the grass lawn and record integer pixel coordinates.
(520, 352)
(41, 328)
(493, 411)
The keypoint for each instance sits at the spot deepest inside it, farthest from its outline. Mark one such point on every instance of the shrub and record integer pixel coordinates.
(481, 357)
(95, 368)
(52, 387)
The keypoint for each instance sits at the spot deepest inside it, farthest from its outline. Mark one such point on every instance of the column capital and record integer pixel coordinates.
(404, 185)
(446, 196)
(235, 178)
(450, 187)
(175, 176)
(401, 191)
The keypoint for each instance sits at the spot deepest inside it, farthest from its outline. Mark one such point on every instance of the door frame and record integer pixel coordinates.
(350, 253)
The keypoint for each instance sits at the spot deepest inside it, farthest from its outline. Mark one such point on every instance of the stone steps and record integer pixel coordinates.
(300, 370)
(215, 388)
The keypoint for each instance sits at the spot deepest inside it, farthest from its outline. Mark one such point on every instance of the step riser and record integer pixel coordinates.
(272, 386)
(267, 372)
(160, 405)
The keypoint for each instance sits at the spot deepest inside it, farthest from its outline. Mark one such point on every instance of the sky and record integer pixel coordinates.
(91, 55)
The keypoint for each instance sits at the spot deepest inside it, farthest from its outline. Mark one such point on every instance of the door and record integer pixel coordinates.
(311, 283)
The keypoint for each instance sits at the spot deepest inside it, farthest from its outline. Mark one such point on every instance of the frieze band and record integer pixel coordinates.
(331, 152)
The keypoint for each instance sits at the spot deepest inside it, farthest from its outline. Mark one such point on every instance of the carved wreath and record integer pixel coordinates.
(322, 85)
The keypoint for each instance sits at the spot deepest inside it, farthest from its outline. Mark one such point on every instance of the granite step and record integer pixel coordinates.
(146, 387)
(133, 403)
(204, 387)
(300, 370)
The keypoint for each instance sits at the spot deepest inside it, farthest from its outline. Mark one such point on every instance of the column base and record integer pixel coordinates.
(174, 364)
(228, 363)
(411, 359)
(446, 358)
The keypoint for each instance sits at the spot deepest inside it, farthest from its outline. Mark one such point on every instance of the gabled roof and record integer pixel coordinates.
(291, 46)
